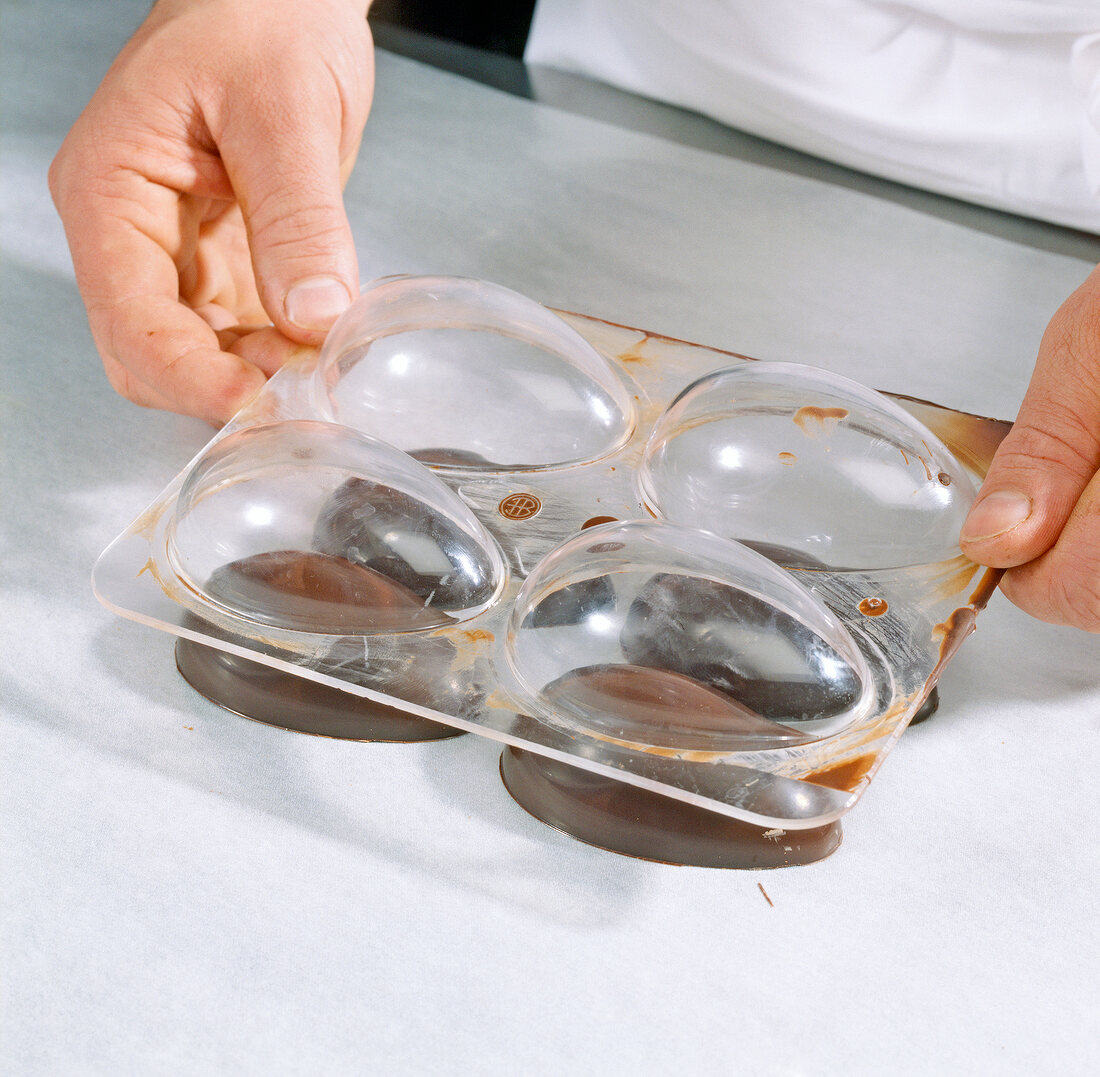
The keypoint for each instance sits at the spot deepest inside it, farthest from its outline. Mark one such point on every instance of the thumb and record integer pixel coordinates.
(1053, 450)
(285, 167)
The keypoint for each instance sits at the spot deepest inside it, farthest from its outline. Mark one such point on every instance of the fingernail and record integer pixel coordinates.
(316, 302)
(995, 514)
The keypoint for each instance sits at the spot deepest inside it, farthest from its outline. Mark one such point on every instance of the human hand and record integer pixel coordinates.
(1039, 507)
(201, 193)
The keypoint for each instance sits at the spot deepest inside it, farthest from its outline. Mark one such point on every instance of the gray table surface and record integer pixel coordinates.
(186, 892)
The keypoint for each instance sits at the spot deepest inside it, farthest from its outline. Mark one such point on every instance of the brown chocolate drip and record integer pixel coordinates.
(951, 634)
(972, 438)
(623, 818)
(646, 706)
(873, 607)
(845, 776)
(316, 592)
(816, 421)
(275, 698)
(986, 586)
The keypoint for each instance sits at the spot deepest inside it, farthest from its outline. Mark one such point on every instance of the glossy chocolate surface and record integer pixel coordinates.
(268, 695)
(626, 819)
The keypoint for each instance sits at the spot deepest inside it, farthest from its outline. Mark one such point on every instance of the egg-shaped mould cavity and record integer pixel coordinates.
(662, 637)
(810, 467)
(466, 375)
(313, 527)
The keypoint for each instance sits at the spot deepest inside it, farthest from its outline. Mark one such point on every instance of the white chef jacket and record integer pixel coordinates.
(993, 101)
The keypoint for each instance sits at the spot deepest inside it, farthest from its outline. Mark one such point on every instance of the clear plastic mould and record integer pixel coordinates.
(466, 376)
(312, 526)
(677, 584)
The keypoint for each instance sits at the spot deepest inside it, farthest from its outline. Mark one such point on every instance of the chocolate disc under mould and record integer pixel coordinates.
(927, 708)
(273, 697)
(626, 819)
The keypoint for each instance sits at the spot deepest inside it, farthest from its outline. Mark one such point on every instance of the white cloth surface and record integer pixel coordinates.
(187, 893)
(993, 102)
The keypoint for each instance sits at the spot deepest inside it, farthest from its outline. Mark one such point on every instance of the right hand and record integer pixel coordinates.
(1038, 512)
(201, 193)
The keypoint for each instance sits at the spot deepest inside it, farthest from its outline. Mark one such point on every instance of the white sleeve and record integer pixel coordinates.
(1086, 75)
(982, 100)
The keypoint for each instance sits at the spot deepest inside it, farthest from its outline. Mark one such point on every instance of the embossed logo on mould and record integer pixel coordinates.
(519, 506)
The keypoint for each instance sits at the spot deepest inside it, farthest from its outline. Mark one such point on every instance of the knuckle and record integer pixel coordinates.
(311, 229)
(289, 245)
(1078, 600)
(1054, 432)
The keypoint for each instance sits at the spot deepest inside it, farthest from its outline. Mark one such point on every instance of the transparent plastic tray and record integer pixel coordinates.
(727, 581)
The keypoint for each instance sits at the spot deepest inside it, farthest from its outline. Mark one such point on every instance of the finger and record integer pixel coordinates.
(173, 359)
(1063, 585)
(122, 231)
(219, 319)
(266, 348)
(137, 392)
(285, 168)
(1053, 450)
(217, 271)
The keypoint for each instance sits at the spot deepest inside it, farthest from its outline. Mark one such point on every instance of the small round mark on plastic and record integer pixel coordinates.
(944, 478)
(873, 607)
(519, 506)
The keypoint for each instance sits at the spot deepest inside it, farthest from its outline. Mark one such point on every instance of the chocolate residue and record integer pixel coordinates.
(845, 776)
(816, 421)
(595, 521)
(634, 354)
(986, 586)
(944, 478)
(788, 459)
(972, 438)
(873, 607)
(955, 581)
(951, 634)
